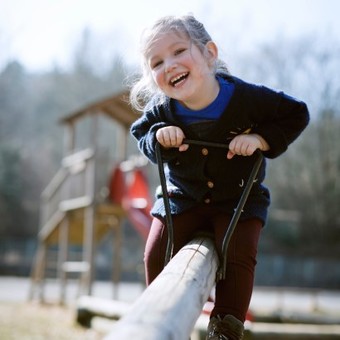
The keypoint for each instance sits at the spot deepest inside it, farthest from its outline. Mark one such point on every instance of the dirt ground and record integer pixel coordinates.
(32, 321)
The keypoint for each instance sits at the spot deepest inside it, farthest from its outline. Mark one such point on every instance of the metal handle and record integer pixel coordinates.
(237, 213)
(168, 218)
(221, 273)
(204, 143)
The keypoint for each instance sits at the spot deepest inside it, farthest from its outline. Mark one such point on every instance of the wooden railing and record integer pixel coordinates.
(71, 188)
(171, 305)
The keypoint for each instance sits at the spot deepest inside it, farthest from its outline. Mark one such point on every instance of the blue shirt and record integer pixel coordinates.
(213, 111)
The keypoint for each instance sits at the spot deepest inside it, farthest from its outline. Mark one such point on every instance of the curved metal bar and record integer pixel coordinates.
(237, 213)
(221, 273)
(168, 217)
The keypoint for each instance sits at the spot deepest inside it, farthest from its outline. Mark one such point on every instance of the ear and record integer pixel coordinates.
(212, 52)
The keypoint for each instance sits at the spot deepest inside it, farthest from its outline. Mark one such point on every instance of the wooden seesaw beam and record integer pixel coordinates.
(169, 308)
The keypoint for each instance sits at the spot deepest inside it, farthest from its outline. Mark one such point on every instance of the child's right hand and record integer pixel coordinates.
(171, 137)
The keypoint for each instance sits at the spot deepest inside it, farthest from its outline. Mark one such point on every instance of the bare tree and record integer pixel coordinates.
(306, 179)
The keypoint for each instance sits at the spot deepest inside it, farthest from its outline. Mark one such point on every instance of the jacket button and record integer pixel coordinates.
(207, 200)
(205, 151)
(210, 184)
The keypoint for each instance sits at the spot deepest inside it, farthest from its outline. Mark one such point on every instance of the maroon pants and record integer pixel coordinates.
(232, 295)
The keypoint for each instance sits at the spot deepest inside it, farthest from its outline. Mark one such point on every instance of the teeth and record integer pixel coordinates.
(178, 78)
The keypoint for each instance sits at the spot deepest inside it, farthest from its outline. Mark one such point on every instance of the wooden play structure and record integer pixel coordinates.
(85, 199)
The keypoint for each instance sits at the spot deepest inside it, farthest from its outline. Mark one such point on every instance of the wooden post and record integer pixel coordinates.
(38, 272)
(117, 259)
(170, 306)
(90, 213)
(121, 142)
(62, 257)
(69, 138)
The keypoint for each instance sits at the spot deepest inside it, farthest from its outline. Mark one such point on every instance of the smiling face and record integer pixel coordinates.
(182, 71)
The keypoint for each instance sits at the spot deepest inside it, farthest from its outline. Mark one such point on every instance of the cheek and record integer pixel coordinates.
(158, 78)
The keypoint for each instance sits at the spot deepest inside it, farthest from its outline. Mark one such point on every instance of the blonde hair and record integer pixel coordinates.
(144, 88)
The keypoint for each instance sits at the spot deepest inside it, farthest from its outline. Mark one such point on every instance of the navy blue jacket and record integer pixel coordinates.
(204, 175)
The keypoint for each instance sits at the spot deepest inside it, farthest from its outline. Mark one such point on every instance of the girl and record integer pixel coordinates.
(186, 91)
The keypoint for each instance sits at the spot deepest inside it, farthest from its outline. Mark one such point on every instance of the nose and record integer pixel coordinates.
(170, 66)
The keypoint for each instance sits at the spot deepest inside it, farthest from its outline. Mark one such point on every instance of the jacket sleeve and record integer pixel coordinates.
(144, 131)
(284, 118)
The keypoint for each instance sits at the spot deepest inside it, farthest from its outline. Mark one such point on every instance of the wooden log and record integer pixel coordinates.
(89, 307)
(170, 306)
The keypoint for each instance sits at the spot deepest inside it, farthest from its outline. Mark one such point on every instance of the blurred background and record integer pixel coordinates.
(60, 58)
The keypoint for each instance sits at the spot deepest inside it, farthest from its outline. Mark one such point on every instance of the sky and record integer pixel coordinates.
(42, 34)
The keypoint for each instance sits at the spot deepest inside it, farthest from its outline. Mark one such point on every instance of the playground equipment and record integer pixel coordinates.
(133, 195)
(170, 306)
(76, 213)
(237, 212)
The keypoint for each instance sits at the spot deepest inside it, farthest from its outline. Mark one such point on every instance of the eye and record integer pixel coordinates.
(156, 64)
(179, 51)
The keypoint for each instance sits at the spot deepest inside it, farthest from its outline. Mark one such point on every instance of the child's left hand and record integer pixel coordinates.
(246, 144)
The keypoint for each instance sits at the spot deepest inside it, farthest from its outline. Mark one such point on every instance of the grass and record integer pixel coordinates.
(32, 321)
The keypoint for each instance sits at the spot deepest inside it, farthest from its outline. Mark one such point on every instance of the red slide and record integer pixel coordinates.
(134, 197)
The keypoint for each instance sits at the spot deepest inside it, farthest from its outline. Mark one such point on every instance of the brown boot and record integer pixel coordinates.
(228, 328)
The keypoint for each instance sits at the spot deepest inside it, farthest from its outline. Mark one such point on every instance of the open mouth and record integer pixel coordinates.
(179, 79)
